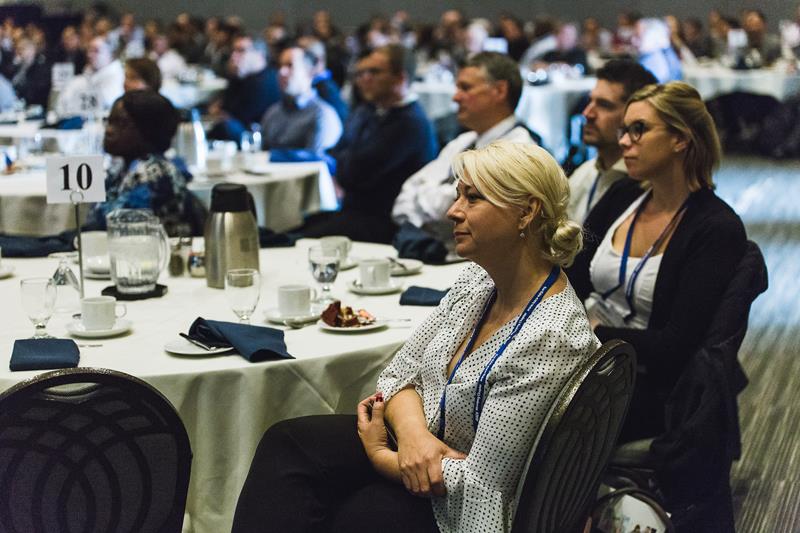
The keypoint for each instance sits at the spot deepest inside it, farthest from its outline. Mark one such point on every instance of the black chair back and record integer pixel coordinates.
(563, 472)
(91, 450)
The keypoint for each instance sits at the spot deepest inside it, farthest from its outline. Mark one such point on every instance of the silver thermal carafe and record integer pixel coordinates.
(190, 141)
(231, 233)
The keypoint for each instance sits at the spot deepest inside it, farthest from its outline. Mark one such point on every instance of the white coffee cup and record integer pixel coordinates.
(295, 300)
(216, 164)
(374, 273)
(337, 241)
(95, 250)
(100, 312)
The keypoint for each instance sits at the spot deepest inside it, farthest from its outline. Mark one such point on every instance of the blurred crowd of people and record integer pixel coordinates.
(103, 37)
(315, 93)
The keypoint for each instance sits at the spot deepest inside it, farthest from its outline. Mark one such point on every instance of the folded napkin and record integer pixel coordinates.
(20, 246)
(68, 123)
(299, 155)
(412, 242)
(422, 296)
(254, 343)
(44, 354)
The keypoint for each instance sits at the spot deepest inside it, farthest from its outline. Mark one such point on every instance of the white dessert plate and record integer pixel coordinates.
(391, 288)
(353, 329)
(77, 329)
(275, 316)
(181, 346)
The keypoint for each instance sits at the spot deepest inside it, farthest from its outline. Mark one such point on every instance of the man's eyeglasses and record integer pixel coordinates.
(635, 130)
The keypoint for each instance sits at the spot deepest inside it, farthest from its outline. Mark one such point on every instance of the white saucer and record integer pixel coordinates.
(353, 329)
(181, 346)
(88, 273)
(6, 271)
(348, 264)
(274, 316)
(99, 264)
(258, 171)
(412, 266)
(76, 329)
(375, 291)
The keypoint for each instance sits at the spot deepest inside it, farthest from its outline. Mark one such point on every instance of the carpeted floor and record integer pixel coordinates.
(766, 481)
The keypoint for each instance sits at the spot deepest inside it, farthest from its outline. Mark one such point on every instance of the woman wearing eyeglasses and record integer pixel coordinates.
(653, 272)
(469, 391)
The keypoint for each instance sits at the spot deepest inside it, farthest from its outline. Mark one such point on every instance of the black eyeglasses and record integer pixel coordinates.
(635, 130)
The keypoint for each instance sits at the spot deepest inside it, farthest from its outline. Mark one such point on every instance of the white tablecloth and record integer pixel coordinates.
(436, 98)
(24, 209)
(714, 80)
(546, 110)
(281, 196)
(226, 402)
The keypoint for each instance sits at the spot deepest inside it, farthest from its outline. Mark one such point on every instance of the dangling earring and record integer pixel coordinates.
(521, 234)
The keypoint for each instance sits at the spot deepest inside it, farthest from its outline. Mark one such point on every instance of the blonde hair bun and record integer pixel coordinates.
(509, 174)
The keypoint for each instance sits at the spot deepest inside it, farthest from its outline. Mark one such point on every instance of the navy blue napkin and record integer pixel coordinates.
(44, 354)
(254, 343)
(68, 123)
(415, 295)
(299, 155)
(20, 246)
(412, 242)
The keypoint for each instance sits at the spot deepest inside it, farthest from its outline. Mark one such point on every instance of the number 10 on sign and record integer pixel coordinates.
(75, 174)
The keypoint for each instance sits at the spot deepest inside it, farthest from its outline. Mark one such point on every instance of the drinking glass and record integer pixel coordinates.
(324, 263)
(38, 301)
(243, 289)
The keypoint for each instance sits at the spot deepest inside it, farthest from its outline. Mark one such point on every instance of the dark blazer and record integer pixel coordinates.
(247, 99)
(378, 152)
(694, 456)
(695, 270)
(33, 84)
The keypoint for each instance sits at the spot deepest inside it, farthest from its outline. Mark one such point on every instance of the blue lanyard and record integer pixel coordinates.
(591, 196)
(626, 252)
(526, 313)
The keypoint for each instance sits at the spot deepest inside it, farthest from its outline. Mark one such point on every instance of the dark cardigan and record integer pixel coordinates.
(695, 270)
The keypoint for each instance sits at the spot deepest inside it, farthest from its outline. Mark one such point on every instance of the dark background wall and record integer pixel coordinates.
(348, 14)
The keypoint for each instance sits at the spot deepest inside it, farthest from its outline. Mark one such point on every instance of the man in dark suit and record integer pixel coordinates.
(385, 140)
(252, 88)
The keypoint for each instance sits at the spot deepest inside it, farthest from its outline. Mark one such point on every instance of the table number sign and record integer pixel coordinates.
(61, 74)
(75, 179)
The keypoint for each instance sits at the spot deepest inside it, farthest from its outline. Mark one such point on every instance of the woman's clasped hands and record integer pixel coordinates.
(418, 460)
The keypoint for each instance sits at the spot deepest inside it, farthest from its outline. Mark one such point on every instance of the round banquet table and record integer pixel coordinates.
(282, 194)
(225, 401)
(546, 110)
(714, 79)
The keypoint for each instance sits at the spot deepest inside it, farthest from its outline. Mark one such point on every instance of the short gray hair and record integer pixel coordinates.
(500, 67)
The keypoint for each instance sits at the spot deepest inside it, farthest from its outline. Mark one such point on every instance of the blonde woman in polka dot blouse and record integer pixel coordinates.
(468, 393)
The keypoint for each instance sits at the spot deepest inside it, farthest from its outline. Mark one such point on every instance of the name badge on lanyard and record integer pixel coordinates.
(479, 394)
(626, 252)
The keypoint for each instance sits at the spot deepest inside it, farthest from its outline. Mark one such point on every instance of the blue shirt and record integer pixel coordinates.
(378, 152)
(306, 123)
